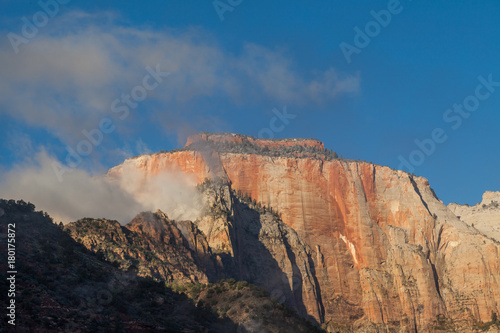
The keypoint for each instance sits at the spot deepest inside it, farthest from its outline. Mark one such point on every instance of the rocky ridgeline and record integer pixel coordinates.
(64, 286)
(151, 245)
(240, 144)
(484, 216)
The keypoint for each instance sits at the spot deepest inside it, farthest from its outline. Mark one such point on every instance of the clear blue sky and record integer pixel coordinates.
(228, 75)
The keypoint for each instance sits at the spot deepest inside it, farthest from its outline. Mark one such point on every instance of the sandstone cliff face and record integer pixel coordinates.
(361, 245)
(484, 216)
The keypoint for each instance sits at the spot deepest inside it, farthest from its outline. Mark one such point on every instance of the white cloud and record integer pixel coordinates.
(65, 78)
(171, 191)
(81, 195)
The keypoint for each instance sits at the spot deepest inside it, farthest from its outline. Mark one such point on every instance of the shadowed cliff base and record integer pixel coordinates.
(63, 287)
(246, 239)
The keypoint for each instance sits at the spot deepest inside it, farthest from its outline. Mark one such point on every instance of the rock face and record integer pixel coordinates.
(151, 244)
(360, 246)
(484, 216)
(254, 245)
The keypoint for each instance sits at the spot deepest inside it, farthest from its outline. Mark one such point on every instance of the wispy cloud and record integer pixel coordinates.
(81, 195)
(68, 76)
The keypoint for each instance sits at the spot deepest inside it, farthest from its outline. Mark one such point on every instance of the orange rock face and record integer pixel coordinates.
(387, 252)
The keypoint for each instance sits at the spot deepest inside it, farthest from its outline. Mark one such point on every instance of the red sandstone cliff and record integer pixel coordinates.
(378, 248)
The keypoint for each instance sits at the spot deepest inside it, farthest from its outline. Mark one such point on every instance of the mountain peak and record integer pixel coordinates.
(490, 196)
(154, 224)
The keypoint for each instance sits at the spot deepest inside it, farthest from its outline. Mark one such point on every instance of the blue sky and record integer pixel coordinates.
(228, 75)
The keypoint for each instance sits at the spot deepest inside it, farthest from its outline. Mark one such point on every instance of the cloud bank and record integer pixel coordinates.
(65, 79)
(81, 195)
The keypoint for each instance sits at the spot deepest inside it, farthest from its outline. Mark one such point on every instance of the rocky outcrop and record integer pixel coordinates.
(361, 246)
(238, 139)
(484, 216)
(151, 244)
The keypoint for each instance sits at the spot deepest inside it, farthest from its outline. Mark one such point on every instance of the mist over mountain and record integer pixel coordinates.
(79, 194)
